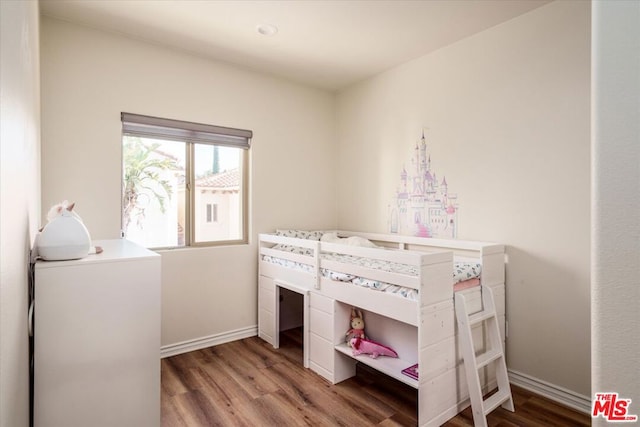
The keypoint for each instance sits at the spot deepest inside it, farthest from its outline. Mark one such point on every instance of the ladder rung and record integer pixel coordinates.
(480, 317)
(496, 400)
(493, 353)
(488, 357)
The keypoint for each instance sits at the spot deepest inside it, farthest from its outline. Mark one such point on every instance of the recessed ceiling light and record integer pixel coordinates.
(267, 29)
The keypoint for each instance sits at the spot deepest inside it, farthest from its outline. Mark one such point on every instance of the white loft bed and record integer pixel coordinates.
(421, 330)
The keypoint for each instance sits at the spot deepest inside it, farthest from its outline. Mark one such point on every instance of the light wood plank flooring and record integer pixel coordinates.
(248, 383)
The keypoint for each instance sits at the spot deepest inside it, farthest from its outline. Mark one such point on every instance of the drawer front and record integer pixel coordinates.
(321, 303)
(321, 324)
(321, 352)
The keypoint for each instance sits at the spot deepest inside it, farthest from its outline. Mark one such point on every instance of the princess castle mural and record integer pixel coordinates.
(423, 205)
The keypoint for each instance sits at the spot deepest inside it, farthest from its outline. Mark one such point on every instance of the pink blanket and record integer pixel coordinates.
(466, 284)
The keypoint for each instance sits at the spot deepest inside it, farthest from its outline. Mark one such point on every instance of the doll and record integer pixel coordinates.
(357, 326)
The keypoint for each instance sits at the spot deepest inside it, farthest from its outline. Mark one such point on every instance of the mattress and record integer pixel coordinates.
(466, 273)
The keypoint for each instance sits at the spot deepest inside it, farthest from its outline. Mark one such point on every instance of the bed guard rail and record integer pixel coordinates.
(267, 241)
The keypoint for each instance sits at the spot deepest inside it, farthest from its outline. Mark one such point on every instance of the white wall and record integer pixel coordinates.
(89, 77)
(19, 198)
(507, 112)
(616, 201)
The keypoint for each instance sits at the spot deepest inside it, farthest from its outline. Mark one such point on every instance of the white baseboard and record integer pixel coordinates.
(556, 393)
(209, 341)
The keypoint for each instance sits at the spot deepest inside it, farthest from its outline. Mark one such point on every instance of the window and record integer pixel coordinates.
(209, 210)
(212, 212)
(183, 183)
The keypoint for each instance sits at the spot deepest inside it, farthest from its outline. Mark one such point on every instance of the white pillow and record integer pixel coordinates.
(350, 241)
(330, 238)
(360, 241)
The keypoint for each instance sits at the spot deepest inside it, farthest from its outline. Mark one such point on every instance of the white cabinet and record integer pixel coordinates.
(321, 354)
(328, 322)
(97, 339)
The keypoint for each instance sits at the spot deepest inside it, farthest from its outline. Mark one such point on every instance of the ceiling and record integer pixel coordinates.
(324, 43)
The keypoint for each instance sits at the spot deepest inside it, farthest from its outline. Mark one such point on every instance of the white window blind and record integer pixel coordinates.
(159, 128)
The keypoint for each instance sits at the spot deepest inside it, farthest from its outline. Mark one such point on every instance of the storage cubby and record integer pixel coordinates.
(399, 336)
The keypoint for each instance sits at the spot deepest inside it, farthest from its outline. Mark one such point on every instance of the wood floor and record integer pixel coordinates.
(248, 383)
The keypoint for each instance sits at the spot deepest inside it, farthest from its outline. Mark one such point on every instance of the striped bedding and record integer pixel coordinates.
(466, 273)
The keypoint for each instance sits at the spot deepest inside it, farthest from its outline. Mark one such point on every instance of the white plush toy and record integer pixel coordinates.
(64, 237)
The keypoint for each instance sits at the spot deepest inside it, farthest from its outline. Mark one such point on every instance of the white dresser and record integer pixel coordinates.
(97, 339)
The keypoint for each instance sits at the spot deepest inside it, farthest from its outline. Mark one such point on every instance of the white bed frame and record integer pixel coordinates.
(422, 331)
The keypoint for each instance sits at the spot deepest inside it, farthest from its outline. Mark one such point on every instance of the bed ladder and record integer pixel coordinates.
(493, 354)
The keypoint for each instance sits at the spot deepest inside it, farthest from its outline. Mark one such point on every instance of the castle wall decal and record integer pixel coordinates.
(423, 205)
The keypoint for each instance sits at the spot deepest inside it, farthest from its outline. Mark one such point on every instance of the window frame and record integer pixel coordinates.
(190, 134)
(190, 237)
